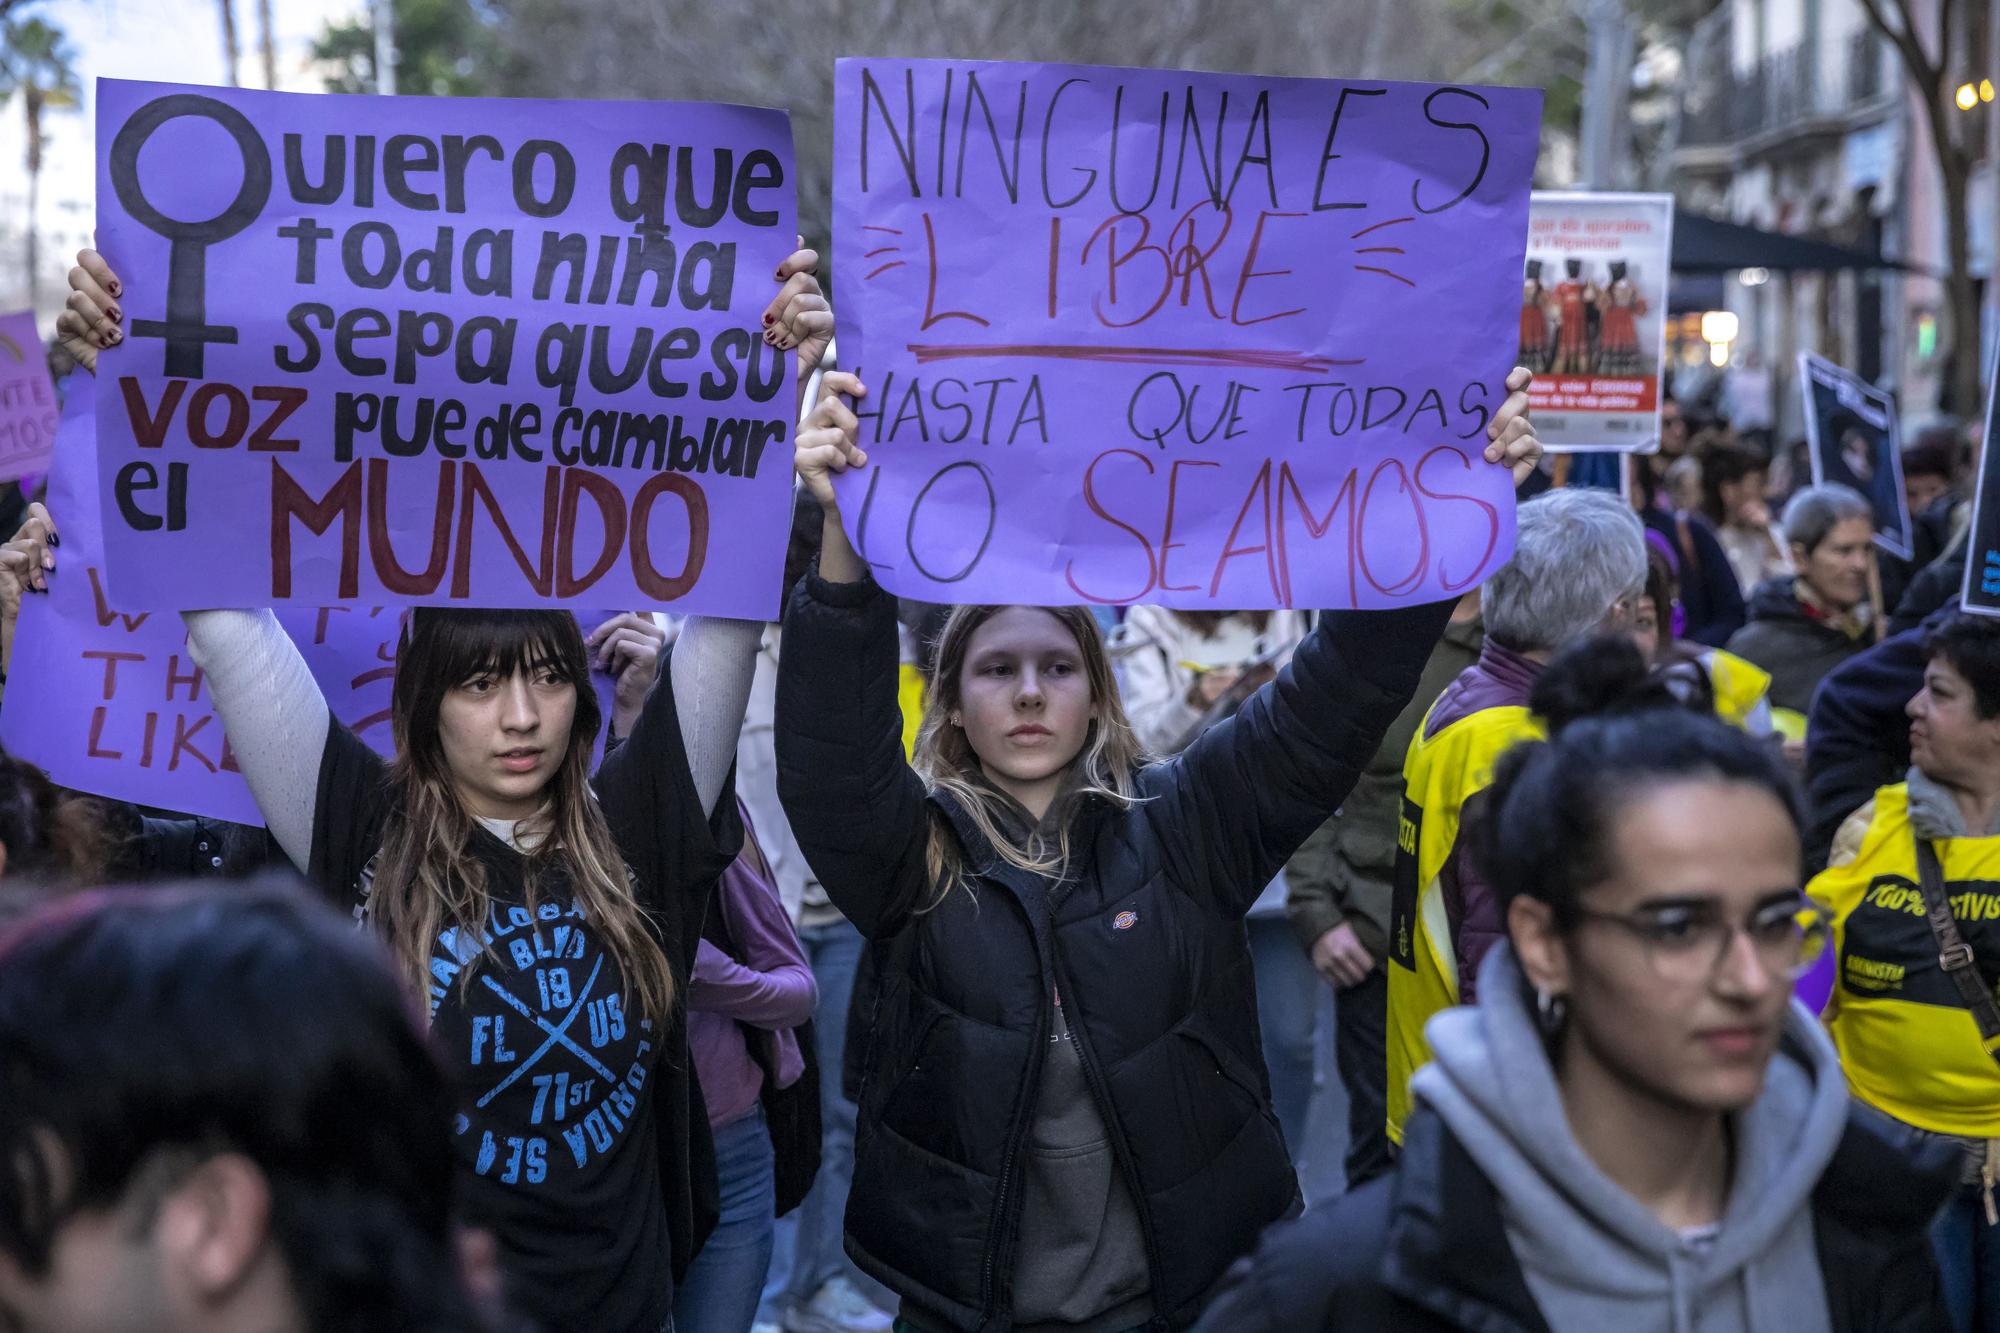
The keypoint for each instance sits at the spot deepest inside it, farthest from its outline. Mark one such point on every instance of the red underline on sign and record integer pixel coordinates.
(1370, 268)
(1170, 356)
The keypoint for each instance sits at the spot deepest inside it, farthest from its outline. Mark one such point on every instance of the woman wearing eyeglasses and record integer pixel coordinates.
(1919, 1040)
(1635, 1128)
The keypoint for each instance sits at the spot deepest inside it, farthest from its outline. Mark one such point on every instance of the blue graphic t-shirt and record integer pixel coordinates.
(556, 1134)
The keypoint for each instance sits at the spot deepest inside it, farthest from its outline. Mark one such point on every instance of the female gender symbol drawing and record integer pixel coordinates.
(186, 329)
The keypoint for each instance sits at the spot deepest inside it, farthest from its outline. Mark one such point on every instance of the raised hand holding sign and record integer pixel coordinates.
(513, 360)
(1203, 340)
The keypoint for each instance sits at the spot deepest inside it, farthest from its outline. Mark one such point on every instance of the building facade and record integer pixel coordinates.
(1796, 118)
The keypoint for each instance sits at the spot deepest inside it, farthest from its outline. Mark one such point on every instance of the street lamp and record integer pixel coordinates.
(1718, 330)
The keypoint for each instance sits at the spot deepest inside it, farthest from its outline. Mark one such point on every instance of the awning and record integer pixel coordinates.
(1709, 245)
(1696, 292)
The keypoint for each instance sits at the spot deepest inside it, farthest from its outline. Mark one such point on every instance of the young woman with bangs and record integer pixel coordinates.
(549, 918)
(1065, 1122)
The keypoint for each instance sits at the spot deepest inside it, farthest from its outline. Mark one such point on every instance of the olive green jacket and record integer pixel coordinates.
(1343, 873)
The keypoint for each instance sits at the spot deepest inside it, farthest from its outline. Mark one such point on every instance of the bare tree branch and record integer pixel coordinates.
(1947, 14)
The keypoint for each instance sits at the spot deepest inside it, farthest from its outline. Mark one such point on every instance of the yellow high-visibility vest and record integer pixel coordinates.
(1441, 773)
(1907, 1041)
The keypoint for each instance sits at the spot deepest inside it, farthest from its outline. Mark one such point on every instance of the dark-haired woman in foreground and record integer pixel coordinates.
(549, 917)
(1635, 1128)
(1066, 1122)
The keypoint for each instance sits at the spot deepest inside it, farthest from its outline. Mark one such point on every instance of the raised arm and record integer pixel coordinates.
(1248, 792)
(856, 808)
(715, 659)
(25, 562)
(858, 811)
(271, 708)
(712, 665)
(1245, 795)
(273, 713)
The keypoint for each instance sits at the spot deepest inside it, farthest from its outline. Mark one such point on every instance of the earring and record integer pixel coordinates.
(1552, 1009)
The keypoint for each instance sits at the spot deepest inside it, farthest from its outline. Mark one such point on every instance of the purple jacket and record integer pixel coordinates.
(771, 991)
(1501, 678)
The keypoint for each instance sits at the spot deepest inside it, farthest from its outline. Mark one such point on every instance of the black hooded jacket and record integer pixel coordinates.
(1787, 640)
(1145, 939)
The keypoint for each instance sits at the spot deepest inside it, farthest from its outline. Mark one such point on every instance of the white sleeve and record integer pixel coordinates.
(713, 663)
(273, 713)
(1154, 683)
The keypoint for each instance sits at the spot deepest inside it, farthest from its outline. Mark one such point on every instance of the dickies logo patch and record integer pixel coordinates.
(1125, 920)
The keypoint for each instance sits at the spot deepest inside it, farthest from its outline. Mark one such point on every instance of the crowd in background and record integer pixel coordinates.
(971, 956)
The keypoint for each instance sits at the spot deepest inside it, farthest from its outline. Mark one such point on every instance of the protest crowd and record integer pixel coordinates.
(802, 947)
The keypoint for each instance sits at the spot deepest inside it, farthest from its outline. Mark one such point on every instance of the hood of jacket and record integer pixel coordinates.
(1934, 811)
(1593, 1255)
(1777, 598)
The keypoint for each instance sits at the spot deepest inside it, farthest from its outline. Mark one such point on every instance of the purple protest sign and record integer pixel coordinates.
(106, 699)
(513, 358)
(28, 405)
(1200, 339)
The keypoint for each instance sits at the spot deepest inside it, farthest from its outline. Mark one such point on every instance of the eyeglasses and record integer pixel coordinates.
(1686, 942)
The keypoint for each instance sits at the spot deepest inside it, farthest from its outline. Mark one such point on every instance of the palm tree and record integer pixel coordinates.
(36, 62)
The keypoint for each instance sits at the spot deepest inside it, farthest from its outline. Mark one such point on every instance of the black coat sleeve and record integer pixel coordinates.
(1858, 736)
(858, 811)
(1312, 1274)
(1872, 1211)
(654, 812)
(1229, 810)
(1713, 598)
(1935, 587)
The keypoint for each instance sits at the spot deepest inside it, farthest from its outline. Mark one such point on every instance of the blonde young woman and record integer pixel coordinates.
(1065, 1123)
(1178, 672)
(548, 918)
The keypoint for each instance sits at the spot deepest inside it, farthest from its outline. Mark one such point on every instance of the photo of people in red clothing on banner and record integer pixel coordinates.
(1593, 318)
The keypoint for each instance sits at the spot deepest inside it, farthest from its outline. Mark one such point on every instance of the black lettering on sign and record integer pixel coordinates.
(1471, 127)
(985, 538)
(186, 330)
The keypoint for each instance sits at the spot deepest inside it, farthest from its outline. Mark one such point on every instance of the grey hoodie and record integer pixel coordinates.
(1934, 811)
(1593, 1256)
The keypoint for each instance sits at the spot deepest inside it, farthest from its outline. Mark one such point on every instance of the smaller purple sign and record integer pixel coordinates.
(108, 700)
(28, 406)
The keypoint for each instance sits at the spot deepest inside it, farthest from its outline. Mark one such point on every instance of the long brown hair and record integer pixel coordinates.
(1105, 767)
(51, 835)
(428, 881)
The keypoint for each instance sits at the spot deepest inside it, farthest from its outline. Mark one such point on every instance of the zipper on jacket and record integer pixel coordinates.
(1115, 1129)
(1002, 1232)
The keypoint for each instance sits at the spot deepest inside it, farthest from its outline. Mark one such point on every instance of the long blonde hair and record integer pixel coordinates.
(427, 881)
(1106, 766)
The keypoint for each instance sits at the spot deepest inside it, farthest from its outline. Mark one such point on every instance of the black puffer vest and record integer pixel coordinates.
(1145, 940)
